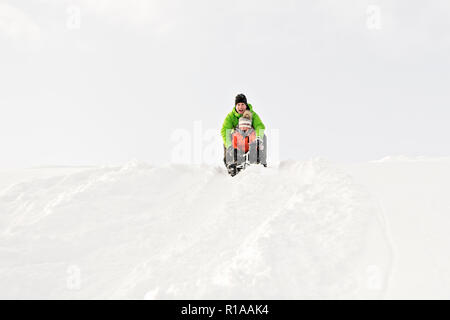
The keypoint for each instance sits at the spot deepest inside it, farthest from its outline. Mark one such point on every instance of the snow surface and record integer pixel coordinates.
(415, 199)
(403, 159)
(299, 230)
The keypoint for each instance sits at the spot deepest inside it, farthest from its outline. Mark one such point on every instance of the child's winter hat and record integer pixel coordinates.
(245, 123)
(240, 98)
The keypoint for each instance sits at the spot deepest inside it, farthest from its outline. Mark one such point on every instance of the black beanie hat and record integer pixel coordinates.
(240, 98)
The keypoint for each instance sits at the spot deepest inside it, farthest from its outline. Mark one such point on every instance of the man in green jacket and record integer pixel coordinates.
(232, 121)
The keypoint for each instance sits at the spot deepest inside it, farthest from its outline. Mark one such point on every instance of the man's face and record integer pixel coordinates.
(241, 107)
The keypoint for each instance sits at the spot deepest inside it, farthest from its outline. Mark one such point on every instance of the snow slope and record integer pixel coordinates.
(414, 194)
(300, 230)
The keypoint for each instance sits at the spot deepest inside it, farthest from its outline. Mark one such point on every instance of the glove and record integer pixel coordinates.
(230, 153)
(260, 143)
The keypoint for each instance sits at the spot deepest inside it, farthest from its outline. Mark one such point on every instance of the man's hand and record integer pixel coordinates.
(230, 153)
(260, 143)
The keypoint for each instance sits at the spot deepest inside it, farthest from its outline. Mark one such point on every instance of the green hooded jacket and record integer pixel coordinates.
(232, 121)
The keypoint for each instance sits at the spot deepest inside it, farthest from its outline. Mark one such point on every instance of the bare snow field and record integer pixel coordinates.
(300, 230)
(415, 197)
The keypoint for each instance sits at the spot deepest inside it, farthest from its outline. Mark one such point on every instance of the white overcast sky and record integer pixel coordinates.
(135, 72)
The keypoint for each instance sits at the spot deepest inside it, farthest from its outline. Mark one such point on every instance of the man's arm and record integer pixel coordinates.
(258, 125)
(227, 127)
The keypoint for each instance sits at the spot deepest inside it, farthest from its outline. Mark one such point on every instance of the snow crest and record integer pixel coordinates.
(300, 230)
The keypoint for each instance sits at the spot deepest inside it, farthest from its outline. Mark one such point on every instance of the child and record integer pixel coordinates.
(244, 135)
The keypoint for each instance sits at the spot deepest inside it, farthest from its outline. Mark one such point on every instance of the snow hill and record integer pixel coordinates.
(299, 230)
(414, 194)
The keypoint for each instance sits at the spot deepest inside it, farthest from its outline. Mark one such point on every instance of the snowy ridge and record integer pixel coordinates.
(411, 159)
(300, 230)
